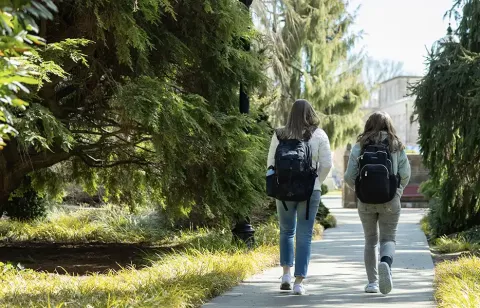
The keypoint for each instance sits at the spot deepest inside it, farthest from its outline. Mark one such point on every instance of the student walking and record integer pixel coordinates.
(299, 160)
(378, 169)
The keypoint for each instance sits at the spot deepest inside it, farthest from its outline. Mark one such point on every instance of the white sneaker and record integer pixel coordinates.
(385, 278)
(286, 282)
(371, 288)
(298, 289)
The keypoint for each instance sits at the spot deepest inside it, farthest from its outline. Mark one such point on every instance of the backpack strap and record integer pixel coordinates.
(307, 216)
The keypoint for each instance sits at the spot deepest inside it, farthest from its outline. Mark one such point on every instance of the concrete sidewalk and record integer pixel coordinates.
(337, 276)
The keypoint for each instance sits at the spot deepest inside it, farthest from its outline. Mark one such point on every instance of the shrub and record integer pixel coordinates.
(441, 220)
(428, 189)
(323, 212)
(324, 190)
(318, 231)
(329, 222)
(323, 215)
(464, 241)
(438, 222)
(27, 207)
(425, 226)
(472, 235)
(458, 243)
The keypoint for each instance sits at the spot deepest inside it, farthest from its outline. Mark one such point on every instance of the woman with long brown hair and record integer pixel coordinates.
(378, 169)
(310, 143)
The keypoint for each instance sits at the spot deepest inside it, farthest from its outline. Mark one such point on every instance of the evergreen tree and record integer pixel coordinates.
(147, 107)
(310, 42)
(448, 109)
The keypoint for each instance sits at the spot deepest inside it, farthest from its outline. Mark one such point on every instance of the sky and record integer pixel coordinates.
(401, 30)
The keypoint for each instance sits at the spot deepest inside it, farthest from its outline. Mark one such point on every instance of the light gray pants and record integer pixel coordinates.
(374, 217)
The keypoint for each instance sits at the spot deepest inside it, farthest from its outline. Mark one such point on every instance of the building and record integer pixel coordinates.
(394, 97)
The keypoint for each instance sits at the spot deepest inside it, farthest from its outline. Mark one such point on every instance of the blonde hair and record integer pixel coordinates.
(302, 120)
(377, 123)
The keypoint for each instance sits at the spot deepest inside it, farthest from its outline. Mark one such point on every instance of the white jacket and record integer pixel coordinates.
(321, 154)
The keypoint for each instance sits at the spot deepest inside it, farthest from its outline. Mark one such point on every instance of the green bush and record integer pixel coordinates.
(472, 235)
(425, 226)
(468, 240)
(323, 215)
(26, 207)
(428, 189)
(324, 190)
(454, 244)
(439, 220)
(442, 221)
(329, 222)
(433, 225)
(323, 212)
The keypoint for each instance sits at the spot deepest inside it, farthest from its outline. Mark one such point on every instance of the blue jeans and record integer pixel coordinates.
(291, 222)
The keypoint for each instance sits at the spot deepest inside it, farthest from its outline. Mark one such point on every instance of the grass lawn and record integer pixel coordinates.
(334, 193)
(458, 283)
(109, 225)
(185, 279)
(450, 245)
(206, 265)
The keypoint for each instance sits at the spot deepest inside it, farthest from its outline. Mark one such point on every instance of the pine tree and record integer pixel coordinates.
(310, 43)
(146, 107)
(448, 109)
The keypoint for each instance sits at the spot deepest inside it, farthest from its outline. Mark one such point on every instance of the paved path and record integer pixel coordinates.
(337, 276)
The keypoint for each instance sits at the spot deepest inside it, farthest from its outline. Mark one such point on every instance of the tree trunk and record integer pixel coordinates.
(14, 167)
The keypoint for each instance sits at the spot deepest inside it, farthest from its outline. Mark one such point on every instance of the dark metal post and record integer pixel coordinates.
(243, 230)
(244, 99)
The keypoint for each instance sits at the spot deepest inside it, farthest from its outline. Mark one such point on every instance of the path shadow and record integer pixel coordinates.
(78, 259)
(337, 274)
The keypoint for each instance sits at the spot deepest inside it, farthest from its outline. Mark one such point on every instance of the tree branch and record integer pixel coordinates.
(98, 163)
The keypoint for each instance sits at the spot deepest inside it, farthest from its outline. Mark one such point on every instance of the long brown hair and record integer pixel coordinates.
(302, 120)
(377, 124)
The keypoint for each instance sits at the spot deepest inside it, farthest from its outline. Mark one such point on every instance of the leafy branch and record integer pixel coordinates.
(17, 45)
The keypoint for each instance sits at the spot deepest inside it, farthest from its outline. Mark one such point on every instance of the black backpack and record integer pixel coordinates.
(376, 183)
(294, 177)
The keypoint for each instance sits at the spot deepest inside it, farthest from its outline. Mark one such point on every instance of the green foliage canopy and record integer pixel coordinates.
(18, 65)
(309, 44)
(148, 107)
